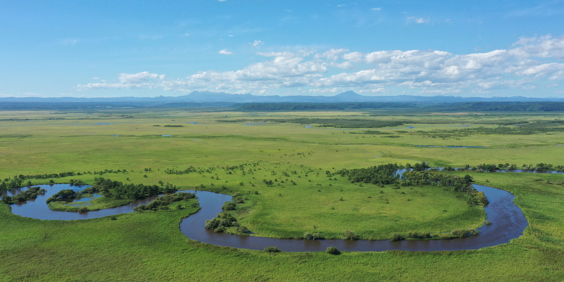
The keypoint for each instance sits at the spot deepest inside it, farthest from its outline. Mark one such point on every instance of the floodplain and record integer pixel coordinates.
(285, 171)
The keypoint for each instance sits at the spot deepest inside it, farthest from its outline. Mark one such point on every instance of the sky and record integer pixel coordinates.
(375, 48)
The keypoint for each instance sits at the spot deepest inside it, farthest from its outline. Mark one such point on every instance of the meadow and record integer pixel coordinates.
(284, 172)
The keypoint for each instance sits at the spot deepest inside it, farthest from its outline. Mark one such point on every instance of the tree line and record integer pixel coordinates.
(119, 190)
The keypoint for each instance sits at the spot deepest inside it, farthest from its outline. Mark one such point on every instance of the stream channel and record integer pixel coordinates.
(508, 222)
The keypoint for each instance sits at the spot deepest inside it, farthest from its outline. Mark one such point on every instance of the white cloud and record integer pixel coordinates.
(225, 52)
(332, 54)
(127, 81)
(256, 43)
(529, 63)
(418, 20)
(139, 77)
(376, 9)
(541, 47)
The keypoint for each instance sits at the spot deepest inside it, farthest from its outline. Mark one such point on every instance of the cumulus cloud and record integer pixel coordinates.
(128, 81)
(541, 47)
(256, 43)
(225, 52)
(528, 63)
(332, 54)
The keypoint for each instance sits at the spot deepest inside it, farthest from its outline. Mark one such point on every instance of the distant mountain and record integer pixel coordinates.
(208, 98)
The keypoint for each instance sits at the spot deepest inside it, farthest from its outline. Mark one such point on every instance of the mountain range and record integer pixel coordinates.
(197, 97)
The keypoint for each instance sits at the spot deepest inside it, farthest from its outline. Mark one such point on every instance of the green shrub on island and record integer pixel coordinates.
(224, 220)
(31, 193)
(163, 202)
(64, 195)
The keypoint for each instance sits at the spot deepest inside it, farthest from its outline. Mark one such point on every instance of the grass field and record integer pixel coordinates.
(149, 245)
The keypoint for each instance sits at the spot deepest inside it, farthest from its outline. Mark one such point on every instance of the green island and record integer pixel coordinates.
(326, 172)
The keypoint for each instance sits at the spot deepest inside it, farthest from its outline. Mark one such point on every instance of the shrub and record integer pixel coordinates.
(229, 206)
(397, 237)
(272, 249)
(220, 229)
(333, 251)
(349, 235)
(83, 209)
(312, 236)
(463, 233)
(212, 223)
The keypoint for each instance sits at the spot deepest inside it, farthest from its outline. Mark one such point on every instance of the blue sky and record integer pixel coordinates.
(171, 48)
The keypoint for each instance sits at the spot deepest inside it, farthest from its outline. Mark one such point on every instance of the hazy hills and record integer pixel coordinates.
(198, 99)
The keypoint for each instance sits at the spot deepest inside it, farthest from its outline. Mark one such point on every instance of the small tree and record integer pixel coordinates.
(272, 249)
(333, 251)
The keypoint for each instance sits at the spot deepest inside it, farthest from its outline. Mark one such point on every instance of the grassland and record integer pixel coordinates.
(149, 245)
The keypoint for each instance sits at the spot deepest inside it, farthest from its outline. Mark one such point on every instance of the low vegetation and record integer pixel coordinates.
(299, 199)
(162, 203)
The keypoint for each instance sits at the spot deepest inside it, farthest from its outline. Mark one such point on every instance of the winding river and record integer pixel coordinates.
(508, 223)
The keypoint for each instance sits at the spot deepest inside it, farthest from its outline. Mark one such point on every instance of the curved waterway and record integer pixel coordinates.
(508, 223)
(38, 208)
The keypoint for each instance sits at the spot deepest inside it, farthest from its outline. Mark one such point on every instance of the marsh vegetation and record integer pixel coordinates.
(287, 181)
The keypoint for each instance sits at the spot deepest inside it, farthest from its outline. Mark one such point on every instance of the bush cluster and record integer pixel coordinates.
(222, 222)
(163, 202)
(31, 193)
(64, 195)
(350, 235)
(272, 249)
(313, 236)
(118, 190)
(333, 251)
(397, 237)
